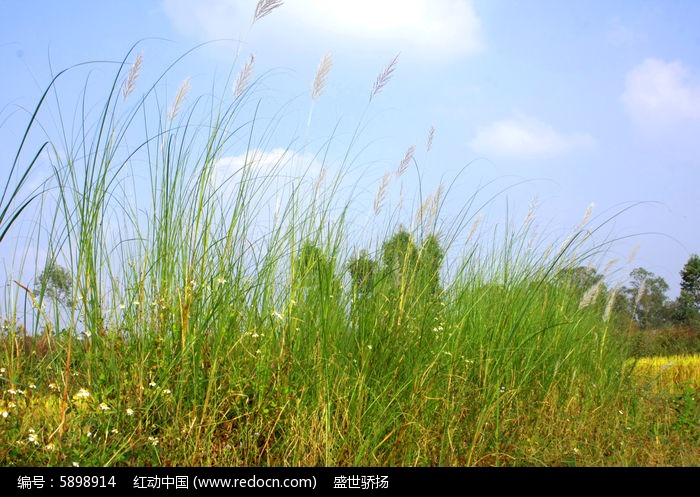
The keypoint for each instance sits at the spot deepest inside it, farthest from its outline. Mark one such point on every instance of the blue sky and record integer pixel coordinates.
(570, 103)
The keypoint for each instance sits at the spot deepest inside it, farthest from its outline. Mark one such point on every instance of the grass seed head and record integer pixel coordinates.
(265, 7)
(321, 76)
(130, 82)
(179, 98)
(406, 159)
(384, 78)
(429, 140)
(381, 193)
(243, 80)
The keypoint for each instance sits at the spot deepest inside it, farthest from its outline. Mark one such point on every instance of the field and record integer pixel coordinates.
(248, 321)
(667, 373)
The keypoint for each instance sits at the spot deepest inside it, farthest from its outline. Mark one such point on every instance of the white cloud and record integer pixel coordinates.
(274, 180)
(263, 162)
(436, 28)
(526, 138)
(440, 27)
(659, 93)
(210, 19)
(273, 167)
(273, 162)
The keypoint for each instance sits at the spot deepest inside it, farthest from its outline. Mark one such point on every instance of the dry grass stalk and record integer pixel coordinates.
(475, 226)
(609, 305)
(381, 193)
(406, 159)
(530, 212)
(383, 78)
(319, 181)
(587, 215)
(179, 98)
(430, 206)
(640, 293)
(264, 8)
(633, 254)
(429, 141)
(321, 76)
(434, 205)
(423, 209)
(130, 82)
(547, 252)
(244, 78)
(609, 265)
(590, 295)
(578, 230)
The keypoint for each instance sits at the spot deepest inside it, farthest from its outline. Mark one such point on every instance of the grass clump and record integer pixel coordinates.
(201, 326)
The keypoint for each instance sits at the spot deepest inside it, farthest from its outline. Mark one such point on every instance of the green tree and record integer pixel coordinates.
(318, 288)
(410, 279)
(363, 274)
(690, 279)
(403, 285)
(646, 299)
(580, 278)
(54, 282)
(430, 262)
(688, 302)
(362, 269)
(399, 255)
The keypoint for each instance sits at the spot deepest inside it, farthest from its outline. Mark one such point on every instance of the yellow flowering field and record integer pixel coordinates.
(667, 372)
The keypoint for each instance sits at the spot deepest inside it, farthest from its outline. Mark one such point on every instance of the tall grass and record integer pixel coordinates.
(202, 332)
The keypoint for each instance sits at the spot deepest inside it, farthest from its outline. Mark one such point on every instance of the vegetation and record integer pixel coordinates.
(194, 330)
(668, 373)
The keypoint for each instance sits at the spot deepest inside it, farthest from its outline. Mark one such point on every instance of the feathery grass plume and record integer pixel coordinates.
(633, 254)
(429, 141)
(530, 212)
(586, 235)
(587, 215)
(383, 78)
(435, 204)
(547, 252)
(609, 265)
(423, 209)
(590, 295)
(244, 77)
(319, 181)
(381, 193)
(578, 230)
(640, 292)
(324, 68)
(609, 305)
(179, 98)
(406, 159)
(265, 7)
(475, 226)
(130, 82)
